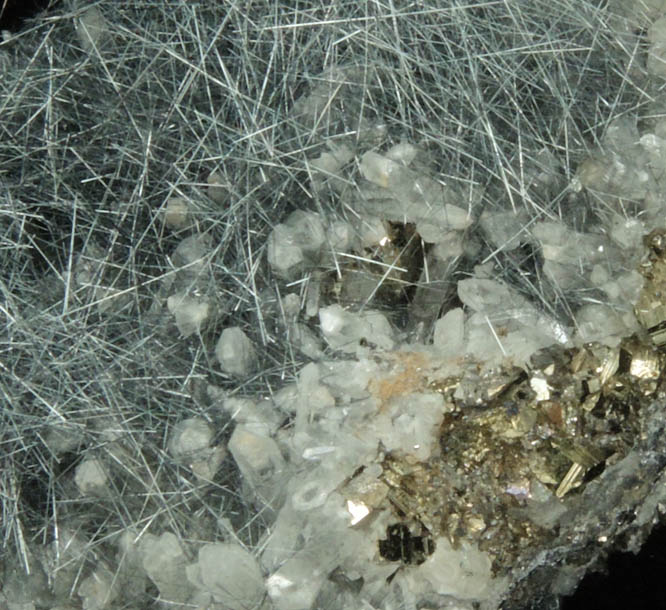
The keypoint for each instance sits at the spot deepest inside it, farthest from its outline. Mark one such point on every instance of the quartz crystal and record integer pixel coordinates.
(230, 574)
(235, 352)
(164, 561)
(190, 313)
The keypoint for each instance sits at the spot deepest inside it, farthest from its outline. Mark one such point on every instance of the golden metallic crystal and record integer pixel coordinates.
(516, 445)
(479, 484)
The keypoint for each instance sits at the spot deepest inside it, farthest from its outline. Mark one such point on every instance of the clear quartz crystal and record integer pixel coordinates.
(235, 352)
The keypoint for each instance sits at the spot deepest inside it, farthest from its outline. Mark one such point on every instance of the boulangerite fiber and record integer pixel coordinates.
(329, 306)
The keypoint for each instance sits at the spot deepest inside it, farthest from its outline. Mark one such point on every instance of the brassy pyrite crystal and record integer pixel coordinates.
(517, 447)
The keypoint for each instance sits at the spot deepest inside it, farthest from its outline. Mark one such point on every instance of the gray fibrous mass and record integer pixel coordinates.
(341, 305)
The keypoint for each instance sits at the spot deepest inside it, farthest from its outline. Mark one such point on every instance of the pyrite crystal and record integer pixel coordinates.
(518, 447)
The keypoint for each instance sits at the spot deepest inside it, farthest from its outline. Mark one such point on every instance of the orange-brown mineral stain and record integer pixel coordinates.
(406, 376)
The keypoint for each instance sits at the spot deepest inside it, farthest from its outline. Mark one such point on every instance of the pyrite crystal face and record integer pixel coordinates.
(651, 305)
(518, 446)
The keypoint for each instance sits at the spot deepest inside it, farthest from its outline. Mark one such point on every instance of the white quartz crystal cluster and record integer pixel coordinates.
(364, 395)
(342, 420)
(367, 395)
(399, 193)
(348, 412)
(594, 268)
(192, 309)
